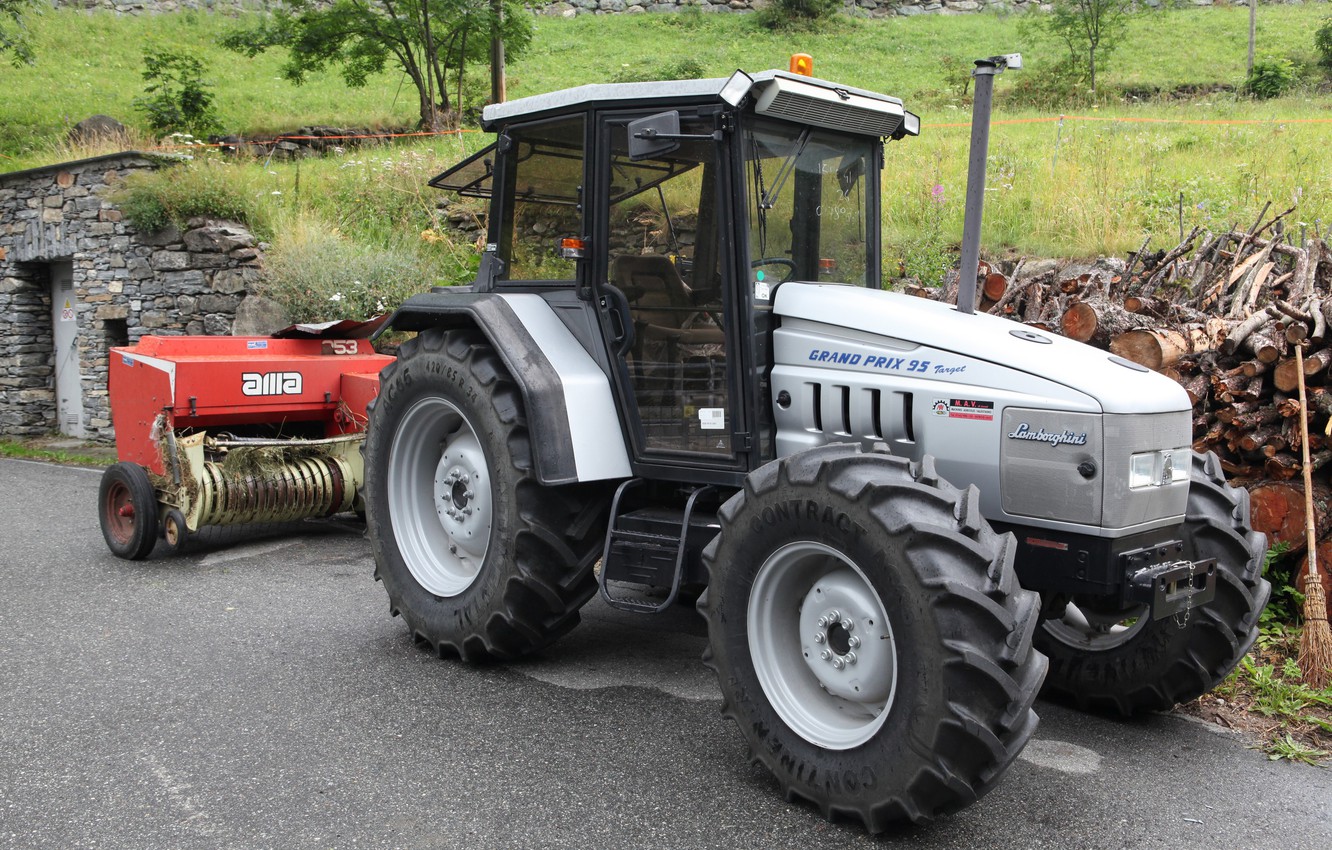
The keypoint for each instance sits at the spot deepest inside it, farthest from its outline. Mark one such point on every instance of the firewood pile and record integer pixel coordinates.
(1234, 317)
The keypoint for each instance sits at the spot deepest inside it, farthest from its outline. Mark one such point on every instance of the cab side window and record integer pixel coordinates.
(544, 200)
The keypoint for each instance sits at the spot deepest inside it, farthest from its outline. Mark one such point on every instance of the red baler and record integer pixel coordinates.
(225, 430)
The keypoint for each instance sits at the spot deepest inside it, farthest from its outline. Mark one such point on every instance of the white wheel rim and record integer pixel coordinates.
(1088, 629)
(822, 645)
(440, 499)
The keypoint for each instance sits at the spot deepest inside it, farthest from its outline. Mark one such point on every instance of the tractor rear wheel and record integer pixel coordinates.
(479, 558)
(869, 635)
(1105, 658)
(128, 511)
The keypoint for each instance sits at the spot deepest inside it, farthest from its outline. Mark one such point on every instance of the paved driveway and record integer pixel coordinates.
(254, 693)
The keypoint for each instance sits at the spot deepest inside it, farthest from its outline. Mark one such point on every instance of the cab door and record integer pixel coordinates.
(664, 285)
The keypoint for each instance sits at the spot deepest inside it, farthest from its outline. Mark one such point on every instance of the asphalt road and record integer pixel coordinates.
(254, 693)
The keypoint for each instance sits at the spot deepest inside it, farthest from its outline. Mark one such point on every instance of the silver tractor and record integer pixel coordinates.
(677, 375)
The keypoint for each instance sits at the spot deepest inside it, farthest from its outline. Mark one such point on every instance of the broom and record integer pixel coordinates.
(1316, 640)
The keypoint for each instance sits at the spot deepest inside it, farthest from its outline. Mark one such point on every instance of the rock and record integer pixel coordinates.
(218, 238)
(216, 325)
(259, 316)
(98, 128)
(234, 280)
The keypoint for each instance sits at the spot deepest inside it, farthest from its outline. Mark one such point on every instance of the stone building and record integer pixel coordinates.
(76, 278)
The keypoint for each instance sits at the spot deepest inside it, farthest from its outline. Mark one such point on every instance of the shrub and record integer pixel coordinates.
(1323, 42)
(319, 275)
(1271, 77)
(797, 14)
(175, 194)
(177, 97)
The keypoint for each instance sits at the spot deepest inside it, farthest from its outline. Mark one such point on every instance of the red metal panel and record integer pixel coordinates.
(226, 381)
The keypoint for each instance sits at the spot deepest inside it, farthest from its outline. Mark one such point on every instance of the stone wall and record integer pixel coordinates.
(125, 284)
(570, 8)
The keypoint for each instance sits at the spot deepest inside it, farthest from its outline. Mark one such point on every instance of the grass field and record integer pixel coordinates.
(1112, 171)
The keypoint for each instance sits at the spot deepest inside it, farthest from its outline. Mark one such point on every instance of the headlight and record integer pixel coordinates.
(1158, 469)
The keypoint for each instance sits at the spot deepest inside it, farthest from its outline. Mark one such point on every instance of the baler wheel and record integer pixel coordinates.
(175, 530)
(128, 511)
(869, 635)
(481, 560)
(1107, 660)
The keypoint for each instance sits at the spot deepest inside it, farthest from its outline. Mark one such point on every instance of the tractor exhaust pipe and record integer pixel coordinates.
(986, 69)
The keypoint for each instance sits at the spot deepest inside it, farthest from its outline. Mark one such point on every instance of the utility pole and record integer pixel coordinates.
(497, 53)
(1253, 31)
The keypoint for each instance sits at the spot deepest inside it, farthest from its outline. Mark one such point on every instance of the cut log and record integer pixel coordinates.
(1264, 347)
(1241, 332)
(1096, 324)
(1277, 509)
(1267, 437)
(1317, 362)
(995, 286)
(1154, 348)
(1253, 367)
(1282, 467)
(1196, 387)
(1286, 375)
(1150, 306)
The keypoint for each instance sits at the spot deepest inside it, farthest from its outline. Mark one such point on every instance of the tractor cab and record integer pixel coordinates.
(678, 208)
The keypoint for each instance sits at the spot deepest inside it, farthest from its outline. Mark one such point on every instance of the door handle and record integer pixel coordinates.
(617, 307)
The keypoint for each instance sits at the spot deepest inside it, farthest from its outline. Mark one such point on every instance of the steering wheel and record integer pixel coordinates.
(777, 261)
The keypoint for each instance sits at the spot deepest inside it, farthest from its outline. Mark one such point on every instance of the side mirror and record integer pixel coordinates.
(654, 135)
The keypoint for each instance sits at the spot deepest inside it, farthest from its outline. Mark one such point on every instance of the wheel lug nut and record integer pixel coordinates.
(834, 616)
(854, 642)
(819, 638)
(825, 655)
(823, 622)
(850, 658)
(848, 624)
(838, 663)
(469, 495)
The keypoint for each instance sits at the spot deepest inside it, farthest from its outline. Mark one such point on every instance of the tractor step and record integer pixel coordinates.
(651, 547)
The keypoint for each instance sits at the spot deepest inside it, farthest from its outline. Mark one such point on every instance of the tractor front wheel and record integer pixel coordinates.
(128, 511)
(869, 635)
(479, 558)
(1108, 659)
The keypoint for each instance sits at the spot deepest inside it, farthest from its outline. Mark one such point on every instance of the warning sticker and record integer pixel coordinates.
(712, 418)
(964, 408)
(253, 344)
(67, 312)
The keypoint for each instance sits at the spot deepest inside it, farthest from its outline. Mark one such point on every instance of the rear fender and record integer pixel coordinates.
(571, 413)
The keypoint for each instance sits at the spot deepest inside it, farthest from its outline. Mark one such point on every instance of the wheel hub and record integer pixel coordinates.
(836, 618)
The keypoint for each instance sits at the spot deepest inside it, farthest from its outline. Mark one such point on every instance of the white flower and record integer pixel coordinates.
(379, 306)
(337, 296)
(275, 192)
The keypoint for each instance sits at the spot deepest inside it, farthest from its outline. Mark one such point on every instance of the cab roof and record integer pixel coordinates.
(665, 93)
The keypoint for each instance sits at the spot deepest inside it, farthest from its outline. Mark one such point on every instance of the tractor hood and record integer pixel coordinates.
(902, 323)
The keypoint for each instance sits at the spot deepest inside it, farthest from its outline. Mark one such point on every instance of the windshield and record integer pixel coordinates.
(808, 203)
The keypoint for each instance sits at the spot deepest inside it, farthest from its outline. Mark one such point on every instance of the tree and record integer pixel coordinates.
(177, 97)
(1088, 26)
(13, 34)
(431, 41)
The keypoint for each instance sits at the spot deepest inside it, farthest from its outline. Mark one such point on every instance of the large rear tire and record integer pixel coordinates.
(1107, 659)
(870, 638)
(480, 559)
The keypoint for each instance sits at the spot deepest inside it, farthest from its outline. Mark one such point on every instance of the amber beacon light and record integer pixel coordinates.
(802, 64)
